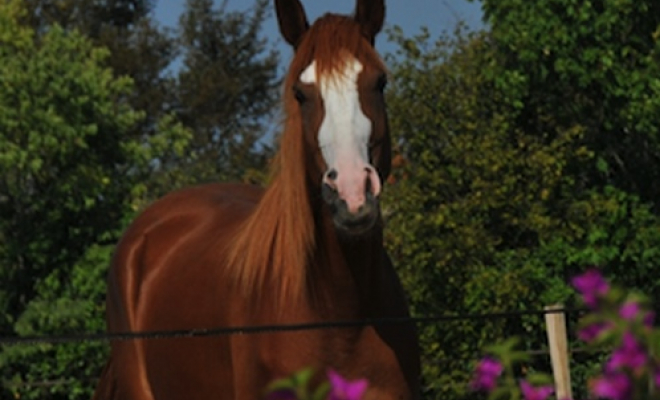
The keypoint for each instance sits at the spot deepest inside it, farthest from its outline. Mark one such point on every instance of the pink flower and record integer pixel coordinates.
(342, 389)
(590, 332)
(591, 286)
(486, 374)
(613, 386)
(629, 310)
(535, 393)
(648, 319)
(630, 354)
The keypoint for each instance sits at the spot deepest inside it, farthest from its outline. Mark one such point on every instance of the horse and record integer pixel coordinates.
(308, 248)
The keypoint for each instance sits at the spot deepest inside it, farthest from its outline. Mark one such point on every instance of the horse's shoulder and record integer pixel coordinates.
(189, 222)
(199, 210)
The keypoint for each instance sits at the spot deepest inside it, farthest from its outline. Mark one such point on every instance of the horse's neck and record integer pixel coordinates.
(351, 269)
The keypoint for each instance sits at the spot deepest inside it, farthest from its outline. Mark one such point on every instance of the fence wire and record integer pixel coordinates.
(86, 337)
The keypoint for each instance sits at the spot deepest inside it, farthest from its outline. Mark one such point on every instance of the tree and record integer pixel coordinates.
(480, 193)
(225, 92)
(71, 174)
(596, 62)
(89, 134)
(492, 211)
(593, 64)
(88, 16)
(140, 48)
(227, 89)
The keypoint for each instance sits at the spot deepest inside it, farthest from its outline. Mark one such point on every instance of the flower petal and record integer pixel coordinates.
(590, 332)
(613, 386)
(356, 389)
(591, 285)
(343, 389)
(629, 310)
(535, 393)
(486, 374)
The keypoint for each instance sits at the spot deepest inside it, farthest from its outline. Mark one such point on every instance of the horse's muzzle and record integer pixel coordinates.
(351, 223)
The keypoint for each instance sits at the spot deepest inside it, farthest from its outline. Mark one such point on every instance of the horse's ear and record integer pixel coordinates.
(292, 20)
(370, 14)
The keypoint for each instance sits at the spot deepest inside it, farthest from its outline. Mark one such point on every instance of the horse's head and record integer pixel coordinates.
(335, 86)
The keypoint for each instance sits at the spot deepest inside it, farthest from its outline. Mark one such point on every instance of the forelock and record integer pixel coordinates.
(332, 42)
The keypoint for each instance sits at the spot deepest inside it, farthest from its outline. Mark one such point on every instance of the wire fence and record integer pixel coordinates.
(87, 337)
(260, 329)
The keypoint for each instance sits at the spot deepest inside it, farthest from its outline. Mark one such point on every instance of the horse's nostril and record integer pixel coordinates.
(332, 174)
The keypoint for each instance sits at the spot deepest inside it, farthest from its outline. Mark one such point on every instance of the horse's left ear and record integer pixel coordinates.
(292, 20)
(370, 14)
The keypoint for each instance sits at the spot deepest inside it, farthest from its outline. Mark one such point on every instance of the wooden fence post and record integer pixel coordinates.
(558, 343)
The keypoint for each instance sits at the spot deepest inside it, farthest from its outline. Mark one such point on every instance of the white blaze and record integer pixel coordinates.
(344, 133)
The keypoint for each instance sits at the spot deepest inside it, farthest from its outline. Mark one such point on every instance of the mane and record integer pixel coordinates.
(275, 244)
(330, 42)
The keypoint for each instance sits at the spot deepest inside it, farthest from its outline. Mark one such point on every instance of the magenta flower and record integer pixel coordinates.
(591, 286)
(535, 393)
(630, 354)
(613, 386)
(486, 374)
(648, 319)
(656, 378)
(629, 310)
(342, 389)
(590, 332)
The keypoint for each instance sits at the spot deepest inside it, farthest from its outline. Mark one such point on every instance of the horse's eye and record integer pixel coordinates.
(381, 83)
(299, 95)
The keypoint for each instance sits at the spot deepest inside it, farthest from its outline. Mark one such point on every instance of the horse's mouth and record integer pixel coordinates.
(355, 228)
(352, 223)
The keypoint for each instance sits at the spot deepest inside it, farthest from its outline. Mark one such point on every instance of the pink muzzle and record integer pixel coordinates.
(353, 182)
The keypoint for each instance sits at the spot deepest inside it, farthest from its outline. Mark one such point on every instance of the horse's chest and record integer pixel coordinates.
(354, 352)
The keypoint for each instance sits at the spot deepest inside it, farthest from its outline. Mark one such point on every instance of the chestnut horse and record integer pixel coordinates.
(308, 248)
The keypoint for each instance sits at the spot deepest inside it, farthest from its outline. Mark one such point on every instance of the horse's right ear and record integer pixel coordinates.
(370, 14)
(292, 20)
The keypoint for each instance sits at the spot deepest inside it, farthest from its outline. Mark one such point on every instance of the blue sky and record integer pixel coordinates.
(437, 15)
(410, 15)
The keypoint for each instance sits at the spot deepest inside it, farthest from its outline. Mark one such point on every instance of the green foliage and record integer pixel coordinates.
(524, 154)
(506, 189)
(61, 306)
(88, 138)
(590, 61)
(89, 16)
(618, 323)
(140, 48)
(297, 386)
(70, 176)
(224, 93)
(227, 90)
